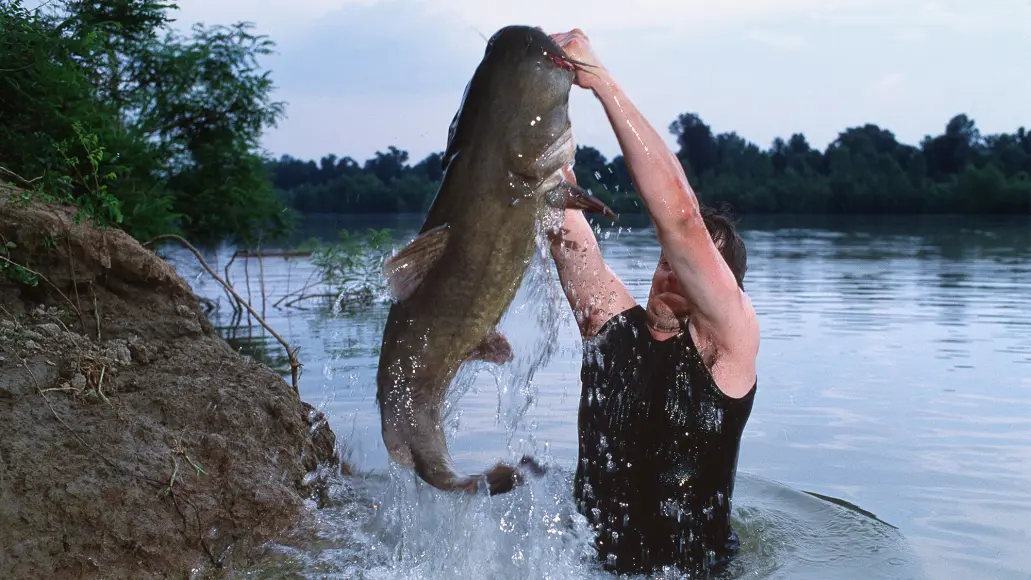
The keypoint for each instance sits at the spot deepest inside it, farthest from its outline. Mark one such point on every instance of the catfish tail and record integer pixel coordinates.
(433, 465)
(413, 433)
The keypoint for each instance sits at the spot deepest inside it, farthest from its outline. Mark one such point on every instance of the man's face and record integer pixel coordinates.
(664, 280)
(667, 303)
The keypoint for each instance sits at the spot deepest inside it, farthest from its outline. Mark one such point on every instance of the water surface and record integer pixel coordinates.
(894, 378)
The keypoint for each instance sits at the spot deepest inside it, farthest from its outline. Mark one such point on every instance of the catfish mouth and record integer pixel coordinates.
(561, 62)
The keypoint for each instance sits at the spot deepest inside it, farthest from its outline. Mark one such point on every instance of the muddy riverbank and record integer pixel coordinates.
(134, 441)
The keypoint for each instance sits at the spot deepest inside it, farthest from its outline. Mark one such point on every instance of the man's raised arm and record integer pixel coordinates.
(719, 305)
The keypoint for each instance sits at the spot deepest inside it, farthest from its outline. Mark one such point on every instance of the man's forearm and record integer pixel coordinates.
(571, 264)
(656, 172)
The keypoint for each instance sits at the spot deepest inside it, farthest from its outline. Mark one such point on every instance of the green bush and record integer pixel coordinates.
(105, 106)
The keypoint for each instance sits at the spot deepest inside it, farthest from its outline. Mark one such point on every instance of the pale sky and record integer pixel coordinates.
(360, 75)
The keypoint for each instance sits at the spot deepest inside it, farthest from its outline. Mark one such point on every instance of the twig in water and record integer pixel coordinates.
(306, 287)
(247, 282)
(261, 278)
(304, 297)
(229, 283)
(295, 366)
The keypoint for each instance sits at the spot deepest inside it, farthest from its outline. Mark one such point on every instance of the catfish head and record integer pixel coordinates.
(518, 101)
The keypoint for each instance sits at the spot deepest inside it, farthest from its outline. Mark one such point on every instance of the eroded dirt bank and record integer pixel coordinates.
(134, 442)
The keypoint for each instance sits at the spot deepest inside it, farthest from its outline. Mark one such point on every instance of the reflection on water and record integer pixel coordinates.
(253, 342)
(894, 376)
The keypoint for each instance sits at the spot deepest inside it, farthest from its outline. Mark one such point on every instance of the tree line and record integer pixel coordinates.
(865, 170)
(103, 105)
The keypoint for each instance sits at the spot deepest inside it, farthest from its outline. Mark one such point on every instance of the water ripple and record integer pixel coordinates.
(893, 373)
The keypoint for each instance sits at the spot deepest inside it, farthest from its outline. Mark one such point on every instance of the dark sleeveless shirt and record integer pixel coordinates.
(658, 450)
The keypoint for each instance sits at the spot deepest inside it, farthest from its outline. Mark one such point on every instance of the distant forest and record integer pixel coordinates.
(864, 171)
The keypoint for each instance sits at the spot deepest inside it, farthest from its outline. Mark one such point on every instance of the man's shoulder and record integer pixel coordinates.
(731, 353)
(737, 328)
(622, 313)
(751, 324)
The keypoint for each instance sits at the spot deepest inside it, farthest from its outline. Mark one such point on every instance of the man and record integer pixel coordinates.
(666, 390)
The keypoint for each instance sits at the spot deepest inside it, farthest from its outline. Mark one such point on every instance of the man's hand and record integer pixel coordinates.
(578, 47)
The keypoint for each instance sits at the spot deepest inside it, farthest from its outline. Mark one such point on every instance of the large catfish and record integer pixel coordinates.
(451, 285)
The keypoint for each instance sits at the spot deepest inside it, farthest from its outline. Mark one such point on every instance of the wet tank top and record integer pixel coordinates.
(658, 449)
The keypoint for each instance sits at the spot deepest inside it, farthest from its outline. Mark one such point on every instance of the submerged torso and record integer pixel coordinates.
(658, 450)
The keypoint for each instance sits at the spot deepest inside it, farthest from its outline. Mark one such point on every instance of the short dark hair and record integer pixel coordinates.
(721, 226)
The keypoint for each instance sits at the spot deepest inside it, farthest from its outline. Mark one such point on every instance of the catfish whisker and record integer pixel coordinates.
(477, 31)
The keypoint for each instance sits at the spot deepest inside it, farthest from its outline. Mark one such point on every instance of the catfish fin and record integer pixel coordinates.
(569, 195)
(494, 348)
(408, 268)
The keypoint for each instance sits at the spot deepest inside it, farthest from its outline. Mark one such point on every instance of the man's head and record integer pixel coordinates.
(667, 303)
(728, 242)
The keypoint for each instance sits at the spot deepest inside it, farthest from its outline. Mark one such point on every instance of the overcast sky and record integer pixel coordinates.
(359, 76)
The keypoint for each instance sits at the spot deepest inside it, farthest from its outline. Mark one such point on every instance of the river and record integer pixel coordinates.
(894, 380)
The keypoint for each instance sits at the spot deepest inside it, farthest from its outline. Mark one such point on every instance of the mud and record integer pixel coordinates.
(134, 442)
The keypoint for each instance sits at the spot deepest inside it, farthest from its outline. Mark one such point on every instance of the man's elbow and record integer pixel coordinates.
(681, 223)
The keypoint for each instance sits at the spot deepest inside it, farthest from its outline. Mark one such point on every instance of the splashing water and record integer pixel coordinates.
(539, 299)
(394, 526)
(412, 531)
(391, 525)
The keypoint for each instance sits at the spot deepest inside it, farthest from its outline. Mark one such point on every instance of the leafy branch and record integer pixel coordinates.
(351, 269)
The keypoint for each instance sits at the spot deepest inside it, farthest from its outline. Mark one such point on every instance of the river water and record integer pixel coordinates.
(894, 388)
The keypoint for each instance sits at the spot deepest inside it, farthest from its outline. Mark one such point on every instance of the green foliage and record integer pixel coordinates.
(13, 270)
(50, 122)
(105, 106)
(351, 266)
(865, 170)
